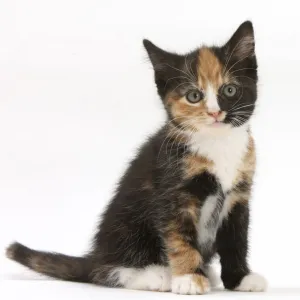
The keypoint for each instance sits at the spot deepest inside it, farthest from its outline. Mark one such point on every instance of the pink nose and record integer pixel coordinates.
(214, 114)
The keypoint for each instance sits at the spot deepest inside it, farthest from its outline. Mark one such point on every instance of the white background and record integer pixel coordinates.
(77, 97)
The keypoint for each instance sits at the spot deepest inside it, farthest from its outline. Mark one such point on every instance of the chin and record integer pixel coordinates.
(216, 129)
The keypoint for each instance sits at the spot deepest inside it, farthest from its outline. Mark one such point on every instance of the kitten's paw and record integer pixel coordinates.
(252, 283)
(151, 278)
(190, 284)
(159, 279)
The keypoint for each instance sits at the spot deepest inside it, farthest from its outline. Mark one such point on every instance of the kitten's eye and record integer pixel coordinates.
(230, 90)
(194, 96)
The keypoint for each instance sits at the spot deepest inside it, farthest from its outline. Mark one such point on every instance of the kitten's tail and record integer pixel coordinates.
(80, 269)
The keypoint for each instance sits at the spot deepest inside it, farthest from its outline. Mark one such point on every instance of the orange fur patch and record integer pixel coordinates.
(177, 135)
(235, 198)
(247, 168)
(201, 281)
(186, 113)
(194, 165)
(182, 257)
(210, 69)
(245, 174)
(190, 210)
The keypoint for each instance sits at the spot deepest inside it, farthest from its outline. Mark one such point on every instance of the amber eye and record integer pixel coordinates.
(194, 96)
(230, 90)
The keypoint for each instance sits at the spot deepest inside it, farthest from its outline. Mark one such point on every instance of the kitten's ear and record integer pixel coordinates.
(241, 45)
(160, 58)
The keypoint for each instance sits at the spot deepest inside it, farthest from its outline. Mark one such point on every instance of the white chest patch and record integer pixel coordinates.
(213, 212)
(226, 151)
(205, 231)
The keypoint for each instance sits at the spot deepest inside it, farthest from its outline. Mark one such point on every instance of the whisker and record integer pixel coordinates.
(179, 86)
(179, 71)
(241, 113)
(176, 77)
(192, 69)
(175, 119)
(169, 135)
(184, 127)
(174, 138)
(242, 70)
(191, 76)
(234, 122)
(237, 100)
(241, 119)
(238, 62)
(239, 107)
(178, 145)
(244, 76)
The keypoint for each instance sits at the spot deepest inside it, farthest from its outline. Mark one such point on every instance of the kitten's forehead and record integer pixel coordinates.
(210, 69)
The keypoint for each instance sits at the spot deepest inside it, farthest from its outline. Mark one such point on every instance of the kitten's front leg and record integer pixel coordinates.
(184, 258)
(232, 244)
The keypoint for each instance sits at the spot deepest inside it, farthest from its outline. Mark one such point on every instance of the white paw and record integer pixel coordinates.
(213, 277)
(190, 284)
(151, 278)
(158, 278)
(252, 283)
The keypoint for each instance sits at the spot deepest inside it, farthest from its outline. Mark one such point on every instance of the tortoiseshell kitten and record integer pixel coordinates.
(185, 197)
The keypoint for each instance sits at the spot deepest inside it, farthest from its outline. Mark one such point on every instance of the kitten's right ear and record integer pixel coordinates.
(160, 58)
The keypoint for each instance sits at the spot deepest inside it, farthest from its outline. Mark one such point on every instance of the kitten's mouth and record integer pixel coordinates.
(218, 119)
(217, 123)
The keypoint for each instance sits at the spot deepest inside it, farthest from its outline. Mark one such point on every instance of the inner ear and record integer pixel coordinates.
(241, 45)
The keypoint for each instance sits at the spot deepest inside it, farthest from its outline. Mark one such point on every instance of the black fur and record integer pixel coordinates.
(232, 246)
(202, 185)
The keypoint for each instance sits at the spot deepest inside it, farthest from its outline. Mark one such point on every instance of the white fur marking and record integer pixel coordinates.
(225, 210)
(252, 283)
(205, 234)
(152, 278)
(208, 234)
(211, 99)
(213, 277)
(186, 286)
(226, 151)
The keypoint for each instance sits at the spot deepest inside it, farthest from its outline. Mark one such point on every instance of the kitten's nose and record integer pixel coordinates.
(214, 114)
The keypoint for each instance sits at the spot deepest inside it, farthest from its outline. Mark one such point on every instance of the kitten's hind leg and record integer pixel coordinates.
(151, 278)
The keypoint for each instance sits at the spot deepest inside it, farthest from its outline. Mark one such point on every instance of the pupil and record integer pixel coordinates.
(230, 90)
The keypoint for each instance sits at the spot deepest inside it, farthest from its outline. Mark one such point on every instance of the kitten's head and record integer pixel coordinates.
(211, 88)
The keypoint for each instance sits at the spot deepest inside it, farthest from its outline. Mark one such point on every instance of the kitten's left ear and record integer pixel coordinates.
(241, 45)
